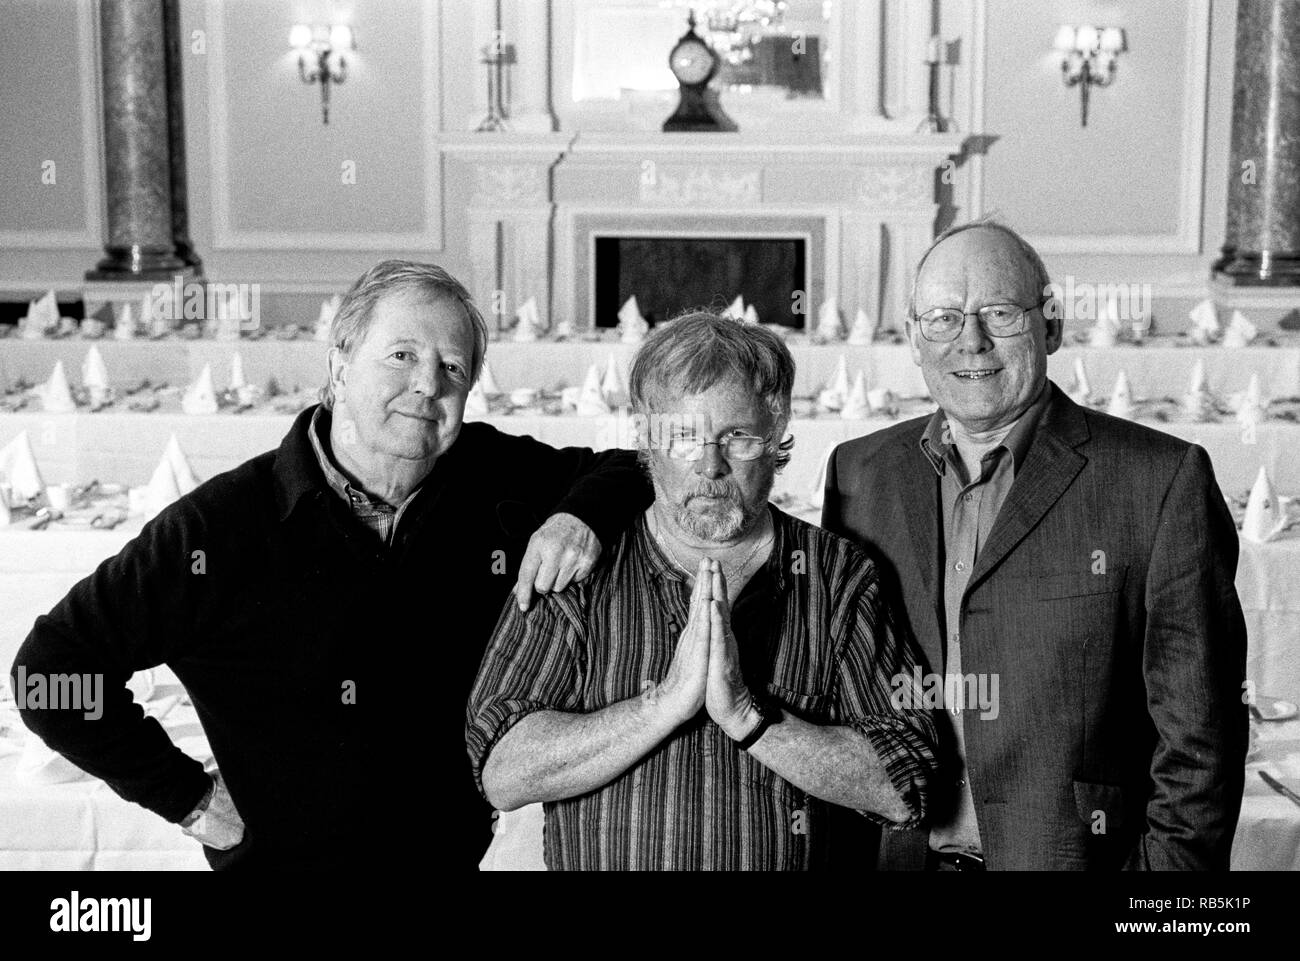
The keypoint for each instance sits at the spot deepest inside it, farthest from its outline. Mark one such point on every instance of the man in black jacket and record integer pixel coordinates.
(326, 604)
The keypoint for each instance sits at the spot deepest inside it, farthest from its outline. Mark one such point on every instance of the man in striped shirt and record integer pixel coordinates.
(717, 694)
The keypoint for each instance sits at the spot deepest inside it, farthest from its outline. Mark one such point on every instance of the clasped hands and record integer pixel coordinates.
(705, 671)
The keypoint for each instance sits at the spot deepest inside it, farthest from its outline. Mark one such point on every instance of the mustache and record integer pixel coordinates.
(714, 488)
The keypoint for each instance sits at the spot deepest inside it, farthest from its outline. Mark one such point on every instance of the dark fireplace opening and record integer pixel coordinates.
(669, 275)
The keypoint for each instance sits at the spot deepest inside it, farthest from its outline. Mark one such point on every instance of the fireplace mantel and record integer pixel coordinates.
(859, 147)
(537, 202)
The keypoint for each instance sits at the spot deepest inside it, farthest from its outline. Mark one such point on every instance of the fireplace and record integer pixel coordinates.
(672, 274)
(842, 217)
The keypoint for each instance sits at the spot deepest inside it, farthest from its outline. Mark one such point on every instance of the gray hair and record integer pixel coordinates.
(699, 349)
(1042, 280)
(356, 312)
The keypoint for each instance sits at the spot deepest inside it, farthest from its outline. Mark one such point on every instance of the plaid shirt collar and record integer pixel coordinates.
(318, 434)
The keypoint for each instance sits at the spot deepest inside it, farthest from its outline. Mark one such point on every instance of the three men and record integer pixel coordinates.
(326, 604)
(1082, 562)
(717, 694)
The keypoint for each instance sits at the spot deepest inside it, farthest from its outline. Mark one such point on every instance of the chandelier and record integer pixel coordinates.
(735, 26)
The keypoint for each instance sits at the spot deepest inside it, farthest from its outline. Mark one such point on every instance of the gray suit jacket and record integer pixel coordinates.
(1104, 602)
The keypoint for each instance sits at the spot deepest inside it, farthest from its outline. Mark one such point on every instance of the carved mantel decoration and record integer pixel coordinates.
(865, 202)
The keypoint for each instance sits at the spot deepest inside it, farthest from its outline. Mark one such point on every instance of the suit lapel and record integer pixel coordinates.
(918, 486)
(1049, 468)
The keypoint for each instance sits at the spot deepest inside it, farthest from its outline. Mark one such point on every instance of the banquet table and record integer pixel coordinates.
(1267, 838)
(124, 446)
(84, 825)
(1160, 367)
(81, 825)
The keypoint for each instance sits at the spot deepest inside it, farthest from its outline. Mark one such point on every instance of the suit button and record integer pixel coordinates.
(960, 566)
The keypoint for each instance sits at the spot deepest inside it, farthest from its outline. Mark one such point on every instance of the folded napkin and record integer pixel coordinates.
(1253, 408)
(163, 489)
(42, 317)
(751, 315)
(200, 397)
(828, 321)
(487, 382)
(56, 396)
(18, 469)
(124, 323)
(857, 406)
(94, 377)
(591, 400)
(1264, 515)
(835, 393)
(736, 309)
(1106, 328)
(864, 329)
(476, 404)
(529, 322)
(1198, 402)
(1205, 322)
(614, 385)
(325, 317)
(1240, 331)
(632, 327)
(181, 470)
(1121, 398)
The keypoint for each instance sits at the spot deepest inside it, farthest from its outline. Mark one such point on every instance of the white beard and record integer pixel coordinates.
(724, 520)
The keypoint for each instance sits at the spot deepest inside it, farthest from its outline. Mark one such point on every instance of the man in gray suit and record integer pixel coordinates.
(1069, 577)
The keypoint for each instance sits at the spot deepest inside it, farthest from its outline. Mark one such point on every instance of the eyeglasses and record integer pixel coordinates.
(739, 447)
(945, 324)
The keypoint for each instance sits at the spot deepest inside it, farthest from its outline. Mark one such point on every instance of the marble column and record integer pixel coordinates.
(140, 141)
(1262, 247)
(176, 136)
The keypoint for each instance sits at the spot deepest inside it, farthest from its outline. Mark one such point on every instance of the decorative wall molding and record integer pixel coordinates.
(226, 237)
(510, 184)
(92, 192)
(702, 185)
(895, 186)
(1186, 237)
(756, 184)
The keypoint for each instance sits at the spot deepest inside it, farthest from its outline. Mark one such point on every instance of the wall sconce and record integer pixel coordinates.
(326, 44)
(1088, 57)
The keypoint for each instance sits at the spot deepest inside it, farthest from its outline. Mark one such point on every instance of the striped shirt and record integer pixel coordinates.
(811, 631)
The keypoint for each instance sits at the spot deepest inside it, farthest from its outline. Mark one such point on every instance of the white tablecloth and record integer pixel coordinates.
(82, 825)
(1161, 368)
(85, 825)
(1267, 838)
(124, 447)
